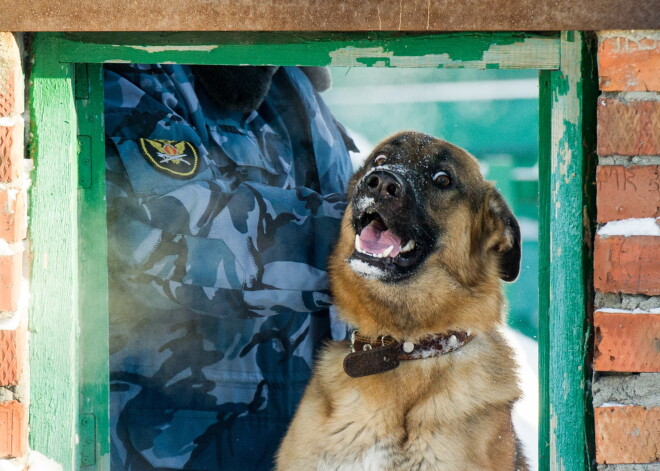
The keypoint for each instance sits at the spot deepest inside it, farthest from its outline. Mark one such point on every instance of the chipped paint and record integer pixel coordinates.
(567, 263)
(512, 56)
(528, 53)
(553, 436)
(178, 48)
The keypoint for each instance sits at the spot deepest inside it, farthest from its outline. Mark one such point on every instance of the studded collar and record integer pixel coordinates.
(372, 356)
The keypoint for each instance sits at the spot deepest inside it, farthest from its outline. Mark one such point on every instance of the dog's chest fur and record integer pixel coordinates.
(413, 418)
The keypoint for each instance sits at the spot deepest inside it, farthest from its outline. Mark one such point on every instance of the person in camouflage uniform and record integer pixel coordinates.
(221, 217)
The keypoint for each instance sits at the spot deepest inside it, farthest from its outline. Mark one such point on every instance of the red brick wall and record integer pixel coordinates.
(627, 248)
(13, 220)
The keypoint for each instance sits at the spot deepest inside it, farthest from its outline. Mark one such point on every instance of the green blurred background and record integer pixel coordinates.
(491, 113)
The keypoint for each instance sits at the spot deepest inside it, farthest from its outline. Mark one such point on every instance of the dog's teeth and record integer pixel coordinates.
(358, 246)
(388, 251)
(409, 246)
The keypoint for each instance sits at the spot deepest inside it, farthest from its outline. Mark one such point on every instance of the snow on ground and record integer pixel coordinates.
(39, 462)
(526, 410)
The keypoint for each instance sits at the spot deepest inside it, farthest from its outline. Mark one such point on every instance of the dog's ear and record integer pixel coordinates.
(506, 236)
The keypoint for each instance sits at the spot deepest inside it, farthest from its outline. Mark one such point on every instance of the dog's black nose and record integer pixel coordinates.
(384, 185)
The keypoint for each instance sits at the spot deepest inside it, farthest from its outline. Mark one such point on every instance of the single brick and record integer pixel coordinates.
(626, 64)
(627, 342)
(629, 434)
(13, 214)
(10, 101)
(11, 152)
(12, 353)
(13, 429)
(10, 280)
(627, 264)
(627, 192)
(628, 128)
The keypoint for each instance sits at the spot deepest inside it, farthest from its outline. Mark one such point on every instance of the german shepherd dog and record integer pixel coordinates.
(427, 382)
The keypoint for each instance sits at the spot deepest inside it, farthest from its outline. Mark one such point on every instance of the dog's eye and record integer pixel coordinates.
(380, 159)
(442, 179)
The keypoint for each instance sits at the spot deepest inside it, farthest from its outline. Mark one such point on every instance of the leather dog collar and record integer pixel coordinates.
(370, 357)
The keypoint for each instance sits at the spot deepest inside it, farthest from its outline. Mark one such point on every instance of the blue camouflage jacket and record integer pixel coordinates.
(219, 227)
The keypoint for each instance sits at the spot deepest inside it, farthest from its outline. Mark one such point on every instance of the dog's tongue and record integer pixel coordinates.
(375, 240)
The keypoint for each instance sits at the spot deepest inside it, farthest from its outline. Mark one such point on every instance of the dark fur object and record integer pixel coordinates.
(243, 88)
(237, 88)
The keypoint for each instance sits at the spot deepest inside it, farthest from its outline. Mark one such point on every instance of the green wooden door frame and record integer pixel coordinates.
(68, 316)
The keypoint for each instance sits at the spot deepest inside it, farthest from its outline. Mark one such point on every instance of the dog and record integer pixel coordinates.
(427, 382)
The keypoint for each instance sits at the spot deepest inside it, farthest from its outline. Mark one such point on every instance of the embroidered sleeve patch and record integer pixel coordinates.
(177, 159)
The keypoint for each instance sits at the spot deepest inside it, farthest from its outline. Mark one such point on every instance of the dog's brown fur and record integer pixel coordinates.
(451, 412)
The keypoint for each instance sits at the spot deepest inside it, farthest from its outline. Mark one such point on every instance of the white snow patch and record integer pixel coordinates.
(7, 121)
(366, 270)
(655, 310)
(631, 227)
(363, 203)
(39, 462)
(12, 322)
(5, 248)
(526, 409)
(11, 249)
(28, 166)
(11, 465)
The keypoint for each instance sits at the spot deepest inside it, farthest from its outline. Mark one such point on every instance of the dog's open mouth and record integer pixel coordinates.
(383, 251)
(377, 240)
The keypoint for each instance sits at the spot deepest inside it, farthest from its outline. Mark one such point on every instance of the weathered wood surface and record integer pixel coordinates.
(454, 50)
(330, 15)
(54, 351)
(567, 218)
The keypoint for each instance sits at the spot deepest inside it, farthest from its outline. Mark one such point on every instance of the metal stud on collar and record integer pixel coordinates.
(408, 347)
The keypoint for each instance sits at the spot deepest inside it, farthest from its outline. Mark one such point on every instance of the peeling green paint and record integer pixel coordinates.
(152, 49)
(512, 55)
(465, 50)
(571, 140)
